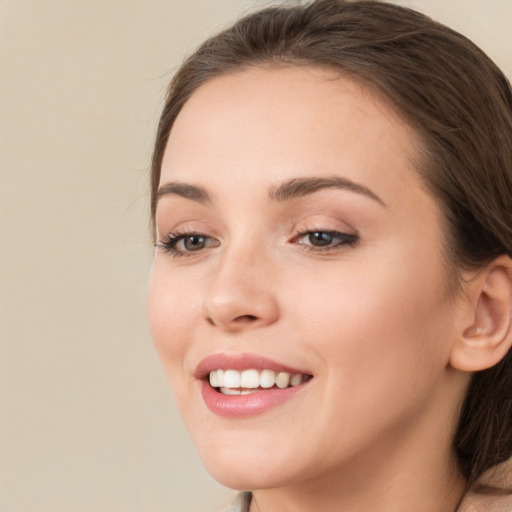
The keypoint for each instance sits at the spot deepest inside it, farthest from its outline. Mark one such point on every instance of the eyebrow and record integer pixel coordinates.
(291, 189)
(186, 190)
(299, 187)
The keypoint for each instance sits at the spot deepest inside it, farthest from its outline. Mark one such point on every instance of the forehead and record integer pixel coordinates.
(266, 124)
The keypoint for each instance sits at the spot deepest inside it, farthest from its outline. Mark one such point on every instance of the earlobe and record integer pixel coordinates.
(488, 337)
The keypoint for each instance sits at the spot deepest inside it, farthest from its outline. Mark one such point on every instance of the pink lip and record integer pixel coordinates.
(244, 405)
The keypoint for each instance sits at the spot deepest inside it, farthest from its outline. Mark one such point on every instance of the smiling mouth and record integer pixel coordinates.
(246, 382)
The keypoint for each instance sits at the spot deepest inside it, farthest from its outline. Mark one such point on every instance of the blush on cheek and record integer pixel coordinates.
(170, 345)
(166, 321)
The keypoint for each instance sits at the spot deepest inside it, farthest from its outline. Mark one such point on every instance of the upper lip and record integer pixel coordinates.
(241, 362)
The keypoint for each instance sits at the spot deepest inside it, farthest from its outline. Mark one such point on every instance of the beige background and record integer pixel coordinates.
(87, 422)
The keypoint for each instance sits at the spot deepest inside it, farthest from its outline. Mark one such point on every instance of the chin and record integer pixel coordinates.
(248, 469)
(242, 477)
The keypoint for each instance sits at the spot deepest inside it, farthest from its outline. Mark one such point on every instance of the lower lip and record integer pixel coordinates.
(237, 406)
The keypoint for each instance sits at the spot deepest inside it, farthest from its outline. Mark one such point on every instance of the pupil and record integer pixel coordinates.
(320, 238)
(194, 242)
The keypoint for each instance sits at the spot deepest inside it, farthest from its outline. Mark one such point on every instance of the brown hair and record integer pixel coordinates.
(456, 99)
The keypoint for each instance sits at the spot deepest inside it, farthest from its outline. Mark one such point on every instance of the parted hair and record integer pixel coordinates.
(459, 104)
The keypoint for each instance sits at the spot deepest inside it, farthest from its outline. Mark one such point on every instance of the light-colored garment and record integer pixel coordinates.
(501, 477)
(241, 503)
(471, 503)
(485, 503)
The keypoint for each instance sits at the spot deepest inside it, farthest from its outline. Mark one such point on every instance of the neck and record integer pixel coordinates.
(404, 491)
(397, 474)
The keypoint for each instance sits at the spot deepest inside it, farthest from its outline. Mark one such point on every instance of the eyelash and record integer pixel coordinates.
(171, 240)
(345, 239)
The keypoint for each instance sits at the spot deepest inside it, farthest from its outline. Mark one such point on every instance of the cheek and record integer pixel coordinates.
(377, 329)
(379, 342)
(171, 316)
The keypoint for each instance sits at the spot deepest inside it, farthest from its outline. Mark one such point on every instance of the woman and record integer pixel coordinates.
(331, 289)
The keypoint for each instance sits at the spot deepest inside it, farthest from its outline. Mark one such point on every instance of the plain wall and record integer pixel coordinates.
(87, 422)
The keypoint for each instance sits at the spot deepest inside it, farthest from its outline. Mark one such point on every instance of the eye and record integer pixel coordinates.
(322, 240)
(193, 242)
(184, 244)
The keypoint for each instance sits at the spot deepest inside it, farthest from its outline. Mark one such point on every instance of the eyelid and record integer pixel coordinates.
(183, 223)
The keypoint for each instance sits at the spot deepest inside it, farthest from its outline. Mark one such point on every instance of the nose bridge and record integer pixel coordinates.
(240, 291)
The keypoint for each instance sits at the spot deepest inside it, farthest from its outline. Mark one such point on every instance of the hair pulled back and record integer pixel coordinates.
(460, 105)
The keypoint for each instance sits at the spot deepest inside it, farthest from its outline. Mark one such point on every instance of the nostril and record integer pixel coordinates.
(243, 319)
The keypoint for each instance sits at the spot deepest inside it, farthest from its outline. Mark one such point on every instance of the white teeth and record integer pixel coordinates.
(214, 382)
(267, 378)
(233, 382)
(296, 380)
(282, 380)
(232, 379)
(250, 379)
(216, 378)
(229, 391)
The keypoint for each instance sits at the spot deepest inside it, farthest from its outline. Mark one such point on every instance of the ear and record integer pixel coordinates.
(486, 334)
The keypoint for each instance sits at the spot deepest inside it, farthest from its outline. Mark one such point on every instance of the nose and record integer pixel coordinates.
(241, 294)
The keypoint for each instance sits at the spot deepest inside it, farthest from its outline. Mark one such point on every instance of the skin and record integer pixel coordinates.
(373, 322)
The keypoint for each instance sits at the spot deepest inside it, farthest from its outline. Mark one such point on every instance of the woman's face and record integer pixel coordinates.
(294, 237)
